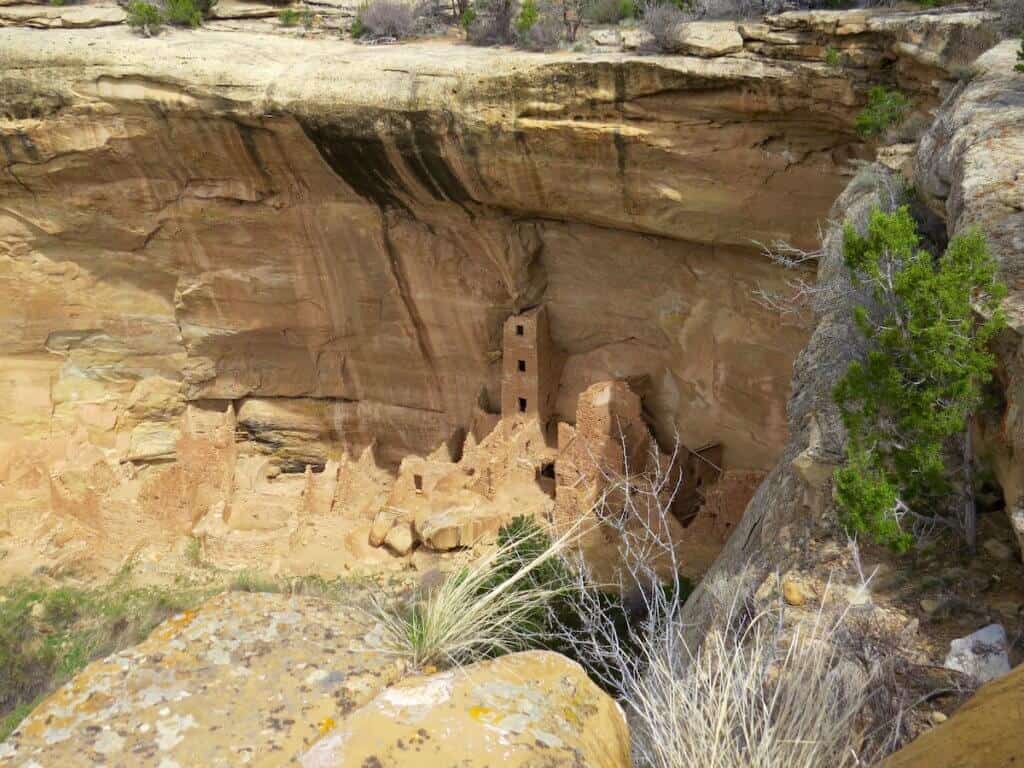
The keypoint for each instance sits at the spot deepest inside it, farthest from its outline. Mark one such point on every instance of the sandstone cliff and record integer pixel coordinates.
(231, 260)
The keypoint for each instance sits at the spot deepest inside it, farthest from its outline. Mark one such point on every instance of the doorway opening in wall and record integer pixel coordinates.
(547, 469)
(522, 405)
(417, 480)
(520, 330)
(522, 366)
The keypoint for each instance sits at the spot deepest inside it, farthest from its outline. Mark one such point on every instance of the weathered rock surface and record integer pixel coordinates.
(708, 39)
(248, 679)
(270, 680)
(981, 654)
(527, 709)
(987, 732)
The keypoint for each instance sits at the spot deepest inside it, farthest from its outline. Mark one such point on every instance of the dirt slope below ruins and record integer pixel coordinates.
(231, 262)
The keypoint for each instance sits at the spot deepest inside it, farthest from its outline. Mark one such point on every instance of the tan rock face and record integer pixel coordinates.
(221, 247)
(527, 709)
(248, 679)
(987, 732)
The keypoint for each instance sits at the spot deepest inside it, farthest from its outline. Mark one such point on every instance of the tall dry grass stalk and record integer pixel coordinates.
(749, 698)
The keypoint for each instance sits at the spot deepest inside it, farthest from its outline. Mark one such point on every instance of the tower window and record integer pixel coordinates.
(522, 366)
(522, 405)
(520, 330)
(417, 480)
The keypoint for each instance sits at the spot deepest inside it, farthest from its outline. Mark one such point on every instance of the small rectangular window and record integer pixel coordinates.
(522, 405)
(418, 482)
(520, 330)
(522, 366)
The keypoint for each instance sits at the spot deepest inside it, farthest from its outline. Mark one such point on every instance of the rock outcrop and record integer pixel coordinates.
(247, 679)
(987, 732)
(969, 169)
(527, 709)
(270, 680)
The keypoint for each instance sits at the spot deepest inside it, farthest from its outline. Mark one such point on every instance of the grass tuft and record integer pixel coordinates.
(492, 607)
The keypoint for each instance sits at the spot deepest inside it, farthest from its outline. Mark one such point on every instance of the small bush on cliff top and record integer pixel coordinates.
(144, 17)
(610, 11)
(885, 109)
(660, 19)
(908, 400)
(539, 26)
(387, 18)
(183, 13)
(1020, 56)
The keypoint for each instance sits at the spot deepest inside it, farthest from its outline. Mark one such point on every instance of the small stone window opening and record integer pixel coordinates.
(417, 480)
(522, 405)
(522, 366)
(520, 330)
(548, 470)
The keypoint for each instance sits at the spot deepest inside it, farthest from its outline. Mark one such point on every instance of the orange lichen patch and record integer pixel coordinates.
(325, 725)
(481, 713)
(94, 703)
(174, 625)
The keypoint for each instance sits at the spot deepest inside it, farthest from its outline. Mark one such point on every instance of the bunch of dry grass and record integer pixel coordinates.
(486, 609)
(750, 698)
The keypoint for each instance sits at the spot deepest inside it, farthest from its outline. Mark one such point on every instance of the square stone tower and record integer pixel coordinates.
(530, 368)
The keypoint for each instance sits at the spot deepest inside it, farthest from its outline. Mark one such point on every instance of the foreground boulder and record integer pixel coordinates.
(272, 680)
(528, 709)
(987, 732)
(246, 679)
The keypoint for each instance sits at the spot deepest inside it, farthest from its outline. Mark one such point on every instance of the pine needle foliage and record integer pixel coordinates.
(926, 365)
(886, 108)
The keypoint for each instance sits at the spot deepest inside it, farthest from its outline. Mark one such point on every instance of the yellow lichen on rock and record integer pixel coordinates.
(526, 709)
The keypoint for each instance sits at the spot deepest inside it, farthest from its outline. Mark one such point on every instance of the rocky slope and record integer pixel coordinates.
(229, 257)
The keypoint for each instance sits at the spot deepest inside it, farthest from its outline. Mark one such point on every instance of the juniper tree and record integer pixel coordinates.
(908, 400)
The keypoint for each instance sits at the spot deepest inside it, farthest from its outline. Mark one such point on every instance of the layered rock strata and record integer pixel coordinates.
(230, 259)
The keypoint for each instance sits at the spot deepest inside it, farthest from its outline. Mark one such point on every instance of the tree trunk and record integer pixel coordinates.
(970, 510)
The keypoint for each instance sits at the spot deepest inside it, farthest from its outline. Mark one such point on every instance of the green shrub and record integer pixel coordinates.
(289, 17)
(357, 29)
(832, 56)
(183, 13)
(248, 581)
(529, 14)
(144, 17)
(885, 109)
(467, 18)
(926, 365)
(610, 11)
(1020, 56)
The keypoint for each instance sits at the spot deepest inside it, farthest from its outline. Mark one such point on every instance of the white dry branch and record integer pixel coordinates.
(753, 695)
